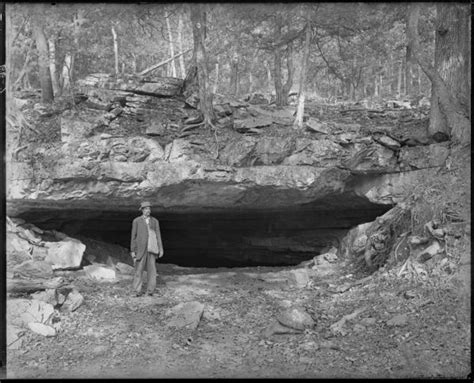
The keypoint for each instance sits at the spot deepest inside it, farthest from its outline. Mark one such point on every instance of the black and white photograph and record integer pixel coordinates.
(237, 190)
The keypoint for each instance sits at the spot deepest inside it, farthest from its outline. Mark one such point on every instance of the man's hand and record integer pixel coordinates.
(160, 254)
(134, 257)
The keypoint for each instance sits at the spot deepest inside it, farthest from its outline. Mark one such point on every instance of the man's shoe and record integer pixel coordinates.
(138, 294)
(149, 294)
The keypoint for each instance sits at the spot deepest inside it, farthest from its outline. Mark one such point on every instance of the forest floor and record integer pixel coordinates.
(409, 328)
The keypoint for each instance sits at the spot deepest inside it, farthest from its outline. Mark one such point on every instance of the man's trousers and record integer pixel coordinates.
(147, 263)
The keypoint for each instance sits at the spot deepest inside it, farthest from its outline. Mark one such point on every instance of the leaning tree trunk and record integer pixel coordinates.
(198, 19)
(304, 68)
(450, 77)
(47, 94)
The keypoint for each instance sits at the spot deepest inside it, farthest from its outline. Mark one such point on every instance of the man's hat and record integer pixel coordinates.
(144, 204)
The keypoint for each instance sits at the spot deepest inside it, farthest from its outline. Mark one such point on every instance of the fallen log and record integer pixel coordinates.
(156, 66)
(29, 286)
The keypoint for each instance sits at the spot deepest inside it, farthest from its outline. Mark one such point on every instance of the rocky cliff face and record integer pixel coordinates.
(255, 184)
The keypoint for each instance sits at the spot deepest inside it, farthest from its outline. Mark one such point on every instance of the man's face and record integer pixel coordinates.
(146, 211)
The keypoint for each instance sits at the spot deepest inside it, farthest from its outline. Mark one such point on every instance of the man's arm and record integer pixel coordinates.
(133, 241)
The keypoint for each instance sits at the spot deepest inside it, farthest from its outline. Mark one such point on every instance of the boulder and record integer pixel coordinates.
(296, 318)
(34, 269)
(17, 244)
(420, 157)
(178, 150)
(186, 315)
(73, 301)
(299, 277)
(65, 254)
(244, 125)
(237, 153)
(100, 273)
(20, 312)
(323, 153)
(42, 329)
(51, 296)
(272, 150)
(372, 159)
(316, 126)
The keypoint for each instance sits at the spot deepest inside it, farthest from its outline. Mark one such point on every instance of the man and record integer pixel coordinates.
(145, 245)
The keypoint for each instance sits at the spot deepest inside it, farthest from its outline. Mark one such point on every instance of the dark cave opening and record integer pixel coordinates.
(231, 238)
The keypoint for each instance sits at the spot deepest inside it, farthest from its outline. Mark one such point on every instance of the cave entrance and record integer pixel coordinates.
(231, 238)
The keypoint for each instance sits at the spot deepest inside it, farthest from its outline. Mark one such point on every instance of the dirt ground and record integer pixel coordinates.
(116, 335)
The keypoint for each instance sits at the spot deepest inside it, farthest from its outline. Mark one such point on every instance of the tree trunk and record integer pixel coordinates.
(450, 77)
(47, 94)
(171, 45)
(23, 71)
(216, 79)
(114, 34)
(234, 74)
(399, 82)
(66, 72)
(52, 67)
(289, 77)
(408, 75)
(302, 91)
(134, 63)
(277, 78)
(420, 89)
(180, 42)
(198, 20)
(269, 75)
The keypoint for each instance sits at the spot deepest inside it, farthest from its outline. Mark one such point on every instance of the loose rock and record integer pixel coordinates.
(42, 329)
(23, 311)
(398, 320)
(66, 254)
(100, 273)
(296, 318)
(73, 301)
(186, 315)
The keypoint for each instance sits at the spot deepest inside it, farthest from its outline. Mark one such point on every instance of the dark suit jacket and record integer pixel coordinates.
(139, 241)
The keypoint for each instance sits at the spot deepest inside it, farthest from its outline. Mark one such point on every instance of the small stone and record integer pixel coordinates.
(368, 321)
(398, 320)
